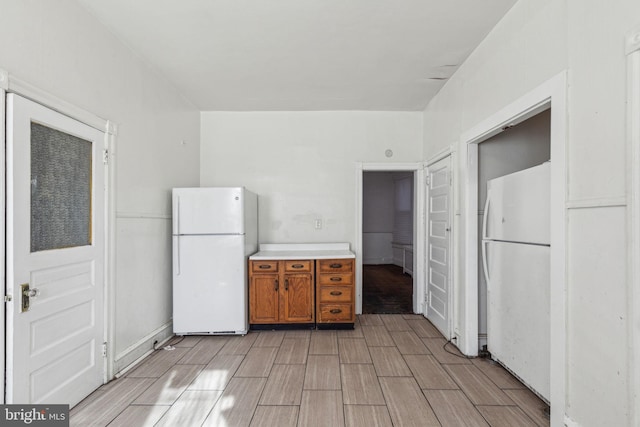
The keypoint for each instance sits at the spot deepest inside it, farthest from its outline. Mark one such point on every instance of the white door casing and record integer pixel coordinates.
(438, 283)
(55, 349)
(3, 86)
(633, 189)
(418, 227)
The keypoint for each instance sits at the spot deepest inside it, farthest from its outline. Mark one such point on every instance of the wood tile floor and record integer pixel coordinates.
(391, 370)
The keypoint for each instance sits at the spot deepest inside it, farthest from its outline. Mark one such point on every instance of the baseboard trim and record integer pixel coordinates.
(377, 261)
(135, 353)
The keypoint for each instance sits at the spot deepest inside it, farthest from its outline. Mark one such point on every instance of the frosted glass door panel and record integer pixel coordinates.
(60, 189)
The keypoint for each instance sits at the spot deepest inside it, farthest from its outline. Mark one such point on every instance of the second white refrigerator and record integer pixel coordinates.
(516, 258)
(214, 231)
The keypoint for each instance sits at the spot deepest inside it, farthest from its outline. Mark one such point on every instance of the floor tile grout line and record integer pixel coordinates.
(489, 378)
(129, 404)
(464, 392)
(513, 406)
(253, 345)
(212, 407)
(431, 406)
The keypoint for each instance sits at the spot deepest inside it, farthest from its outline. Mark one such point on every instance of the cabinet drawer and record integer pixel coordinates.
(336, 313)
(264, 266)
(335, 294)
(304, 265)
(336, 279)
(335, 265)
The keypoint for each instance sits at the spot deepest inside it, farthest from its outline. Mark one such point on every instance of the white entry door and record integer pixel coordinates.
(55, 256)
(439, 245)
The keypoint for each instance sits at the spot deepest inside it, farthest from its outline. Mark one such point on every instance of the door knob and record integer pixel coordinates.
(27, 294)
(32, 293)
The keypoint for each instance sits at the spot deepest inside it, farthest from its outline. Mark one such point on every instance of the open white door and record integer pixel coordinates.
(439, 245)
(55, 256)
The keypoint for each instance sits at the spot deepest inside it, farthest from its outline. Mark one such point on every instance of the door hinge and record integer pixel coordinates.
(105, 157)
(8, 298)
(104, 349)
(428, 180)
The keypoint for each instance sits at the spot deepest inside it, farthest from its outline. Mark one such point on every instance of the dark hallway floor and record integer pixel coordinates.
(386, 290)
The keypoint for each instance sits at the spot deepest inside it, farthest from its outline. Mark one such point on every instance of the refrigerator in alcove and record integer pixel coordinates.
(516, 257)
(215, 230)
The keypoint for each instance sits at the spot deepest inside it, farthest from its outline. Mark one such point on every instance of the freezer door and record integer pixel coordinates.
(209, 285)
(518, 325)
(518, 206)
(215, 210)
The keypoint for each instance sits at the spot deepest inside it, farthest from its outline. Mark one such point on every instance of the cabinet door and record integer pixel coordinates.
(263, 298)
(297, 298)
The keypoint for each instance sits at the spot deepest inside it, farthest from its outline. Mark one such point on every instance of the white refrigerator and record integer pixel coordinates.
(516, 256)
(214, 232)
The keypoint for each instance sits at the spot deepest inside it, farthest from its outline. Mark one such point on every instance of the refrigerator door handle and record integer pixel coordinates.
(485, 264)
(177, 215)
(176, 219)
(485, 217)
(178, 255)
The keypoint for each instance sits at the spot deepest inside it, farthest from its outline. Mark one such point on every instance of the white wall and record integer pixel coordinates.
(58, 47)
(536, 40)
(303, 164)
(377, 217)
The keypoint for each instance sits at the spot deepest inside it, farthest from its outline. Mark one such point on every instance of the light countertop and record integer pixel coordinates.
(297, 251)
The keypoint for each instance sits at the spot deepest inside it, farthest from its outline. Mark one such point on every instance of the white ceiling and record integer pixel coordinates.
(252, 55)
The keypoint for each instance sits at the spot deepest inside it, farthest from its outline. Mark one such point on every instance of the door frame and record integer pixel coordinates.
(453, 260)
(418, 227)
(551, 94)
(633, 219)
(11, 84)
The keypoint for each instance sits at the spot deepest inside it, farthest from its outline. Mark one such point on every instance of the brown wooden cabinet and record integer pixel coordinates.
(281, 292)
(335, 291)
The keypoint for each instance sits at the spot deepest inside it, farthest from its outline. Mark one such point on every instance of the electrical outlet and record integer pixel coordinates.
(318, 224)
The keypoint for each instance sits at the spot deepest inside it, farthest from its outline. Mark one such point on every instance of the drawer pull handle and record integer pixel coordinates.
(336, 293)
(297, 266)
(264, 266)
(286, 284)
(275, 285)
(336, 279)
(336, 265)
(335, 311)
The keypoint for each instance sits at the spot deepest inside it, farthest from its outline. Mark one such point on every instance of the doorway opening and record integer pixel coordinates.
(387, 242)
(413, 262)
(513, 220)
(519, 147)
